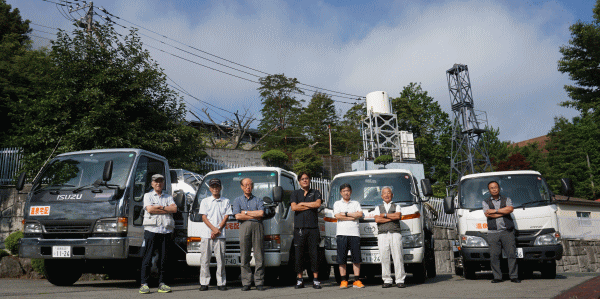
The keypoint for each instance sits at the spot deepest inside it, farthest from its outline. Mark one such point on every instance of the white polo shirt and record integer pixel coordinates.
(215, 210)
(347, 228)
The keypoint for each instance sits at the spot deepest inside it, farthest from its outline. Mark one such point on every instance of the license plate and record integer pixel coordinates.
(232, 260)
(519, 253)
(368, 257)
(61, 251)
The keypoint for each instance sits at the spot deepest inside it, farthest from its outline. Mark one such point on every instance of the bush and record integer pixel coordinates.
(38, 265)
(12, 242)
(275, 158)
(3, 253)
(383, 160)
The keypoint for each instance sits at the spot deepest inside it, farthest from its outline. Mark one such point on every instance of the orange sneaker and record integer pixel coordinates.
(358, 284)
(344, 284)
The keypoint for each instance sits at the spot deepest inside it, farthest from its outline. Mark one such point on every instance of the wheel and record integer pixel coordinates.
(62, 272)
(419, 272)
(458, 271)
(430, 265)
(469, 270)
(549, 270)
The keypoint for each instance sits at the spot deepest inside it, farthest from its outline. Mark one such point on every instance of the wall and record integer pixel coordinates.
(11, 206)
(241, 157)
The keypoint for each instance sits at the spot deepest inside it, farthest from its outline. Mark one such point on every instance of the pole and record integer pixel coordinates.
(591, 175)
(330, 149)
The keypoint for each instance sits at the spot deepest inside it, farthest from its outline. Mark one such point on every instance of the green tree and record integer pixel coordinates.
(280, 110)
(11, 24)
(105, 94)
(315, 120)
(275, 158)
(307, 160)
(383, 160)
(580, 60)
(347, 135)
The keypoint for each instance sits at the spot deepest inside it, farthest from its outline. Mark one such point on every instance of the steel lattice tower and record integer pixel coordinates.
(469, 150)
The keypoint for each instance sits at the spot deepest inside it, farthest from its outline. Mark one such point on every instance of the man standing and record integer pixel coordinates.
(347, 212)
(389, 239)
(158, 229)
(248, 209)
(215, 211)
(501, 232)
(305, 203)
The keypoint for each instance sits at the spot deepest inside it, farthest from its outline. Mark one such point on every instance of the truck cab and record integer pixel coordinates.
(416, 226)
(538, 240)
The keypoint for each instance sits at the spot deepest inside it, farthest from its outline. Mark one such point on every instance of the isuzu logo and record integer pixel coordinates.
(69, 196)
(369, 229)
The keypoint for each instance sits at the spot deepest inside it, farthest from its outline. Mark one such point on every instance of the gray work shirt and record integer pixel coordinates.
(499, 221)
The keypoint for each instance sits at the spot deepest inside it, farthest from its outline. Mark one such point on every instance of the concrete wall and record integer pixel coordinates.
(11, 207)
(241, 157)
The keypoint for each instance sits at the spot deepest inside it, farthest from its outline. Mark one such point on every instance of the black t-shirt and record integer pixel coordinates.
(308, 218)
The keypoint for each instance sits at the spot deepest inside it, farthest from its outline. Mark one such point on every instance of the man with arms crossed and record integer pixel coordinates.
(157, 236)
(389, 239)
(248, 209)
(305, 203)
(501, 232)
(347, 212)
(215, 211)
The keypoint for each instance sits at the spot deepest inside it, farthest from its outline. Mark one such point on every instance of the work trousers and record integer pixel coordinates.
(152, 242)
(306, 239)
(391, 244)
(207, 246)
(252, 236)
(503, 241)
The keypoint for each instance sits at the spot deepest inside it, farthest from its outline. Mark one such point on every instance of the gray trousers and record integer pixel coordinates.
(251, 239)
(207, 246)
(503, 241)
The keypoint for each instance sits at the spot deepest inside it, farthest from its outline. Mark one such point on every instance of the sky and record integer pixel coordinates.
(352, 47)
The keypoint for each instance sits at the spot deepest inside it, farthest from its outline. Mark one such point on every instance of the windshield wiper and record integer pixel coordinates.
(531, 202)
(47, 188)
(95, 184)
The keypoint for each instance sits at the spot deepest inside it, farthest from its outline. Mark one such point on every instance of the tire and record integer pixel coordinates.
(62, 272)
(469, 270)
(419, 272)
(458, 271)
(549, 270)
(430, 266)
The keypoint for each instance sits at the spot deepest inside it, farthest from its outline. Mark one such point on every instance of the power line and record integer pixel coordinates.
(41, 37)
(43, 26)
(42, 31)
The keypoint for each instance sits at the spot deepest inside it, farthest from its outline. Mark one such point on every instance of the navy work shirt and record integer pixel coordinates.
(243, 203)
(308, 218)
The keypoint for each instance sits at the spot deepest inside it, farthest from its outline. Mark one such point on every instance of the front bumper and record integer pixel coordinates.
(537, 253)
(90, 248)
(410, 255)
(271, 259)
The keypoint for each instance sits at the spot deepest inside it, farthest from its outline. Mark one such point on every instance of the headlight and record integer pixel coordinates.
(193, 244)
(549, 239)
(118, 225)
(472, 241)
(330, 243)
(32, 228)
(272, 242)
(412, 241)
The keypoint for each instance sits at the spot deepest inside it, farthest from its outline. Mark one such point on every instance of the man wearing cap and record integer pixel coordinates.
(215, 211)
(158, 229)
(248, 210)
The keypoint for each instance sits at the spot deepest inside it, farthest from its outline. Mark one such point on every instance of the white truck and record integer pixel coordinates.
(274, 185)
(537, 233)
(417, 234)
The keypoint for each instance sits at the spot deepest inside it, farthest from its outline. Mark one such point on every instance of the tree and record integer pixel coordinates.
(280, 112)
(431, 127)
(275, 158)
(11, 24)
(309, 161)
(514, 162)
(580, 60)
(105, 94)
(347, 135)
(315, 120)
(383, 160)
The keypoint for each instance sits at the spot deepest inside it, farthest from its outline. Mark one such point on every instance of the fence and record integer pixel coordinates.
(321, 185)
(209, 164)
(10, 164)
(443, 219)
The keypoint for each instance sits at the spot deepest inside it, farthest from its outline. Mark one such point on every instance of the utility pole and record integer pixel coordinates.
(330, 149)
(89, 16)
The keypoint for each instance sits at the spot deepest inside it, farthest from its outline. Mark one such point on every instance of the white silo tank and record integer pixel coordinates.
(378, 102)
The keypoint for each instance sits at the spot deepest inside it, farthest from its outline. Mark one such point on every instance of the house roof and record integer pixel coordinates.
(574, 201)
(541, 141)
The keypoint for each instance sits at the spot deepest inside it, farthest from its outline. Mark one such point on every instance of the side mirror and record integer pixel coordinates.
(20, 182)
(179, 199)
(449, 205)
(267, 200)
(426, 187)
(566, 187)
(277, 194)
(108, 168)
(173, 174)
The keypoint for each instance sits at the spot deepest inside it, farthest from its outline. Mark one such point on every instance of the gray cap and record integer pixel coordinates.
(157, 176)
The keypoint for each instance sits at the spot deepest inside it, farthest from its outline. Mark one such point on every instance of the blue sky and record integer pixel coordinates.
(355, 47)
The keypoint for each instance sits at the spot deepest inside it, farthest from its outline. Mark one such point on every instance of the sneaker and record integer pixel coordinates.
(299, 284)
(344, 284)
(163, 288)
(144, 289)
(358, 284)
(317, 284)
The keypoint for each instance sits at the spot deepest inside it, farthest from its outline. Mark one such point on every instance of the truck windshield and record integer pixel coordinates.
(521, 189)
(264, 181)
(366, 189)
(74, 171)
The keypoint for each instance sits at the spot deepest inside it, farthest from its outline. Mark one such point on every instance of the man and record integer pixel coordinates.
(389, 239)
(158, 229)
(215, 211)
(305, 203)
(248, 209)
(347, 212)
(501, 232)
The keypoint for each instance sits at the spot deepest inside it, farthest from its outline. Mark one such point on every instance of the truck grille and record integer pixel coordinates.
(231, 246)
(368, 242)
(66, 229)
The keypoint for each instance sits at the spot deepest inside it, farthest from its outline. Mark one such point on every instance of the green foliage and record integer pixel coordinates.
(347, 136)
(38, 266)
(384, 160)
(11, 24)
(3, 253)
(315, 120)
(307, 160)
(100, 92)
(12, 242)
(275, 158)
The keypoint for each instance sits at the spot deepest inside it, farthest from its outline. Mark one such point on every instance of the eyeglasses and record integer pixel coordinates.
(305, 179)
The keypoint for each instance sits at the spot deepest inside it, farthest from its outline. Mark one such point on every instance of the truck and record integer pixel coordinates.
(274, 185)
(537, 234)
(84, 213)
(416, 223)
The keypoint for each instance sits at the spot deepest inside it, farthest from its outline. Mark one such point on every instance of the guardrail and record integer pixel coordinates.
(10, 164)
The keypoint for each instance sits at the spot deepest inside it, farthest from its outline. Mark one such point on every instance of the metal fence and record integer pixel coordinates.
(209, 164)
(443, 219)
(10, 164)
(582, 228)
(321, 185)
